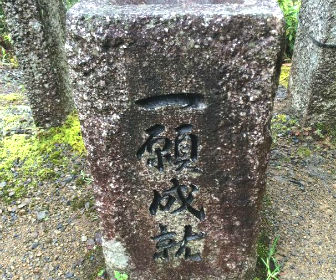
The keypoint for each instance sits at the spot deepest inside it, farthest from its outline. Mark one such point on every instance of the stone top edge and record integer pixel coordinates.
(104, 8)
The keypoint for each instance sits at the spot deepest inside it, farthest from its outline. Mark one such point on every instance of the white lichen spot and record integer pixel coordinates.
(115, 254)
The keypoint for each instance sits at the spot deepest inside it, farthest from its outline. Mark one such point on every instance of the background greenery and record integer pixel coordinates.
(290, 8)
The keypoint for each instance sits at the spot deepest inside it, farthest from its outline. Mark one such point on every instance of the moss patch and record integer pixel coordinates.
(281, 126)
(284, 75)
(304, 152)
(11, 99)
(68, 134)
(26, 160)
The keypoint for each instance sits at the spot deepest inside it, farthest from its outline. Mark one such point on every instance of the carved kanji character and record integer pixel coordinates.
(165, 241)
(158, 145)
(180, 193)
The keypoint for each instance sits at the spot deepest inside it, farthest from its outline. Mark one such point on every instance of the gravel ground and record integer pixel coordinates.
(301, 205)
(53, 233)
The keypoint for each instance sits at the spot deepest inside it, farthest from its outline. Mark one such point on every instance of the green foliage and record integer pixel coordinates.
(262, 251)
(272, 266)
(304, 152)
(290, 8)
(70, 3)
(101, 272)
(120, 276)
(25, 161)
(267, 266)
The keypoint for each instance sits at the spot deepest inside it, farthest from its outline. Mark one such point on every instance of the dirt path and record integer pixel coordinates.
(52, 232)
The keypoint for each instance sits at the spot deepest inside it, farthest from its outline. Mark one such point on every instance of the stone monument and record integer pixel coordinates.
(38, 33)
(175, 102)
(312, 85)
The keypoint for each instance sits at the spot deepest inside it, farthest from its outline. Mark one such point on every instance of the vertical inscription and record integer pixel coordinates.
(159, 152)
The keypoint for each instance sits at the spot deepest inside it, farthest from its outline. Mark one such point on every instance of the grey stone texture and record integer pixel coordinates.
(312, 85)
(38, 31)
(175, 103)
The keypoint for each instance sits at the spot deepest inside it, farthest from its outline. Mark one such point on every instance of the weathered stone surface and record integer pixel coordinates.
(38, 32)
(175, 104)
(312, 85)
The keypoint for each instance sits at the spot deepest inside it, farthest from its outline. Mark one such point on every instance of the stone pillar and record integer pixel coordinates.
(38, 32)
(312, 85)
(175, 104)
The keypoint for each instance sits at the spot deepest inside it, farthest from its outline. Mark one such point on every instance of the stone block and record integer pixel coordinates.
(312, 85)
(175, 105)
(38, 33)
